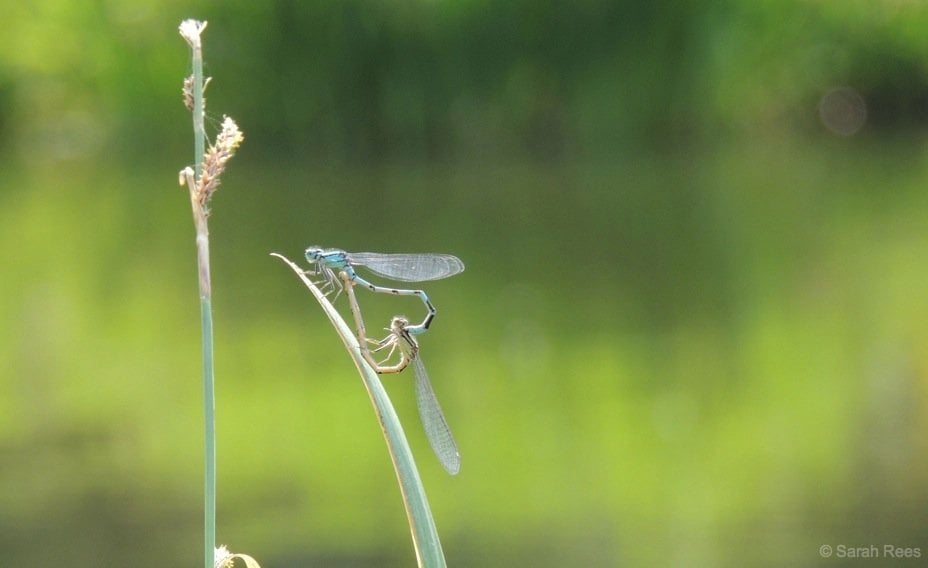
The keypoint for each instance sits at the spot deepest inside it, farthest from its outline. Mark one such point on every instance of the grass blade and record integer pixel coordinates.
(421, 524)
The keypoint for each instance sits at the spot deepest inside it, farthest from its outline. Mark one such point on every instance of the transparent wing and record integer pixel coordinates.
(408, 267)
(436, 427)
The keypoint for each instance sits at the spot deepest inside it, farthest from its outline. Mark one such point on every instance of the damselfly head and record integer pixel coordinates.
(314, 253)
(398, 323)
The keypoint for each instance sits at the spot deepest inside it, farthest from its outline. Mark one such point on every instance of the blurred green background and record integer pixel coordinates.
(693, 329)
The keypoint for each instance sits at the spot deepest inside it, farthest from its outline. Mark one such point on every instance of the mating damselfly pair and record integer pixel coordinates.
(336, 267)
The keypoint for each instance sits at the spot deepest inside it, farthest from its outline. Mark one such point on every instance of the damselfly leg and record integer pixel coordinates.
(402, 339)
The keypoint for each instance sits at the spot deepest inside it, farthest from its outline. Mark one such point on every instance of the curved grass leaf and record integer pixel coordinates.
(424, 534)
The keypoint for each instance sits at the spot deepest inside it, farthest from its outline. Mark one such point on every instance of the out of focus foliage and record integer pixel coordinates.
(367, 81)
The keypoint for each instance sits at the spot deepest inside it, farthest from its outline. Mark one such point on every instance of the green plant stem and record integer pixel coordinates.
(199, 133)
(206, 314)
(209, 449)
(421, 524)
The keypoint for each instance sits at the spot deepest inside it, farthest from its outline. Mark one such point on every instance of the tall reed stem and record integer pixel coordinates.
(201, 185)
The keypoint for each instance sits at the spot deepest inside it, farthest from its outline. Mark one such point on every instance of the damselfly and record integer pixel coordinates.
(401, 267)
(401, 339)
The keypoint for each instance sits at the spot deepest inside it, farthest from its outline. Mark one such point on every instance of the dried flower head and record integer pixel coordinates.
(188, 92)
(190, 30)
(222, 558)
(216, 157)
